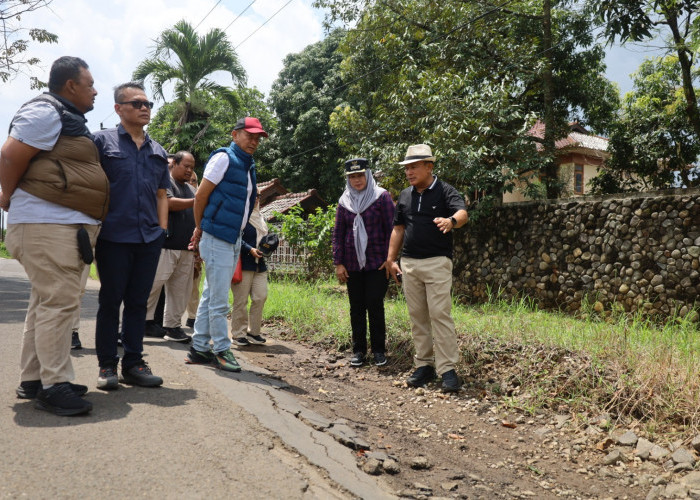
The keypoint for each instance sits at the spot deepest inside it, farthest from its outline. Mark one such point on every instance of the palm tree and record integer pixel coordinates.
(182, 56)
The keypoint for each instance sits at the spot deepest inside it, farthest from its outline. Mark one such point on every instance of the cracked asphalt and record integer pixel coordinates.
(205, 433)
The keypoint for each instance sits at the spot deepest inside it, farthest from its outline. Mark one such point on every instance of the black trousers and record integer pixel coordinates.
(366, 291)
(126, 274)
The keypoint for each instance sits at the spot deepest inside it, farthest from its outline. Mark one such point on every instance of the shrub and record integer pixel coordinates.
(311, 236)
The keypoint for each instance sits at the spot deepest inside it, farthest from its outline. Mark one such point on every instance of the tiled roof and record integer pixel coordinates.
(283, 203)
(575, 139)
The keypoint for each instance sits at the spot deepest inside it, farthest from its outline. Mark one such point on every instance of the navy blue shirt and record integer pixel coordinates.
(135, 175)
(416, 211)
(248, 239)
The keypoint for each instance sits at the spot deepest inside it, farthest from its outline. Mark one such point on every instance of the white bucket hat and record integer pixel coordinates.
(418, 152)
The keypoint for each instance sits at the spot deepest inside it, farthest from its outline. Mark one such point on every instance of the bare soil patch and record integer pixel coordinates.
(465, 445)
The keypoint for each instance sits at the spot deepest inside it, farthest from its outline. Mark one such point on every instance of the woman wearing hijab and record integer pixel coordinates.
(245, 325)
(363, 224)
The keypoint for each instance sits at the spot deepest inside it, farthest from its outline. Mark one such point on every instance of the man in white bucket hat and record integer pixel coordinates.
(426, 214)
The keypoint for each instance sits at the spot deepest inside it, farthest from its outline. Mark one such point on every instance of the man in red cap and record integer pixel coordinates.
(222, 207)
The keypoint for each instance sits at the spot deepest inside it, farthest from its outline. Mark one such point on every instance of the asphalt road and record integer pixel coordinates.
(204, 434)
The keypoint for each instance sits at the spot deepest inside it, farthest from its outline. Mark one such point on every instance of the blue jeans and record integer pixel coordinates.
(220, 259)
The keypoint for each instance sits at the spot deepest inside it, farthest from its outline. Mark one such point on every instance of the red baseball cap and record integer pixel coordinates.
(250, 125)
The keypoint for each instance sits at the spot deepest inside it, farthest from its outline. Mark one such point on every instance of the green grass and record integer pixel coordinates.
(625, 364)
(4, 254)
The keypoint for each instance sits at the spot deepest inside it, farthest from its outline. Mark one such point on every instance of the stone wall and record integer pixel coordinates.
(640, 251)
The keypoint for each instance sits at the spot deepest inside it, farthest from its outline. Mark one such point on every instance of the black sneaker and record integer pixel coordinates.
(358, 359)
(107, 378)
(141, 374)
(241, 341)
(450, 382)
(195, 357)
(75, 341)
(28, 389)
(421, 376)
(255, 339)
(379, 359)
(189, 323)
(61, 400)
(153, 329)
(176, 335)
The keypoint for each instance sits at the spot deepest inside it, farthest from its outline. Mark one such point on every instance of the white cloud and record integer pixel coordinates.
(113, 37)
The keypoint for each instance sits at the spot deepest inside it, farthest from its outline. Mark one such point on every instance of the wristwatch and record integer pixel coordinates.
(454, 222)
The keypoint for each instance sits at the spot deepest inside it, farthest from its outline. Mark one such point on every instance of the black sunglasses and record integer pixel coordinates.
(138, 104)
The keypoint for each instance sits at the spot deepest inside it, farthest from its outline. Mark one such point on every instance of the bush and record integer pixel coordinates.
(311, 236)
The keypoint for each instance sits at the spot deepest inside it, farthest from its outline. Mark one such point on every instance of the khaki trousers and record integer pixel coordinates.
(427, 285)
(50, 257)
(244, 321)
(175, 270)
(193, 304)
(83, 283)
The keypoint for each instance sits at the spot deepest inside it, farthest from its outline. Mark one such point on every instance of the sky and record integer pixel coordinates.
(114, 36)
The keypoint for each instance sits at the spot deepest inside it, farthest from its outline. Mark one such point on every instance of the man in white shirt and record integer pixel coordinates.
(222, 207)
(56, 194)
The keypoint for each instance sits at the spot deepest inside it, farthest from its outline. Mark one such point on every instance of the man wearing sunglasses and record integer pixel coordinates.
(132, 235)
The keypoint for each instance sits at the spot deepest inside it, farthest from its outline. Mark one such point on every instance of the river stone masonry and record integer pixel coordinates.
(636, 252)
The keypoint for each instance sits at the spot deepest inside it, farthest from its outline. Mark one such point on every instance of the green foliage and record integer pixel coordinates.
(676, 22)
(4, 254)
(211, 129)
(465, 78)
(183, 57)
(654, 137)
(13, 46)
(305, 151)
(311, 236)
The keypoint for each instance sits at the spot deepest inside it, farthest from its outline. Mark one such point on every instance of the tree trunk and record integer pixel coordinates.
(551, 174)
(686, 69)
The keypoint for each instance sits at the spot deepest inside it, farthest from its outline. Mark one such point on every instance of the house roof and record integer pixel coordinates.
(308, 200)
(270, 185)
(578, 138)
(268, 190)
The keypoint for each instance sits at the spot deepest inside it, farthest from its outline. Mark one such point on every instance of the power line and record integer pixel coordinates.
(106, 118)
(212, 10)
(239, 15)
(263, 24)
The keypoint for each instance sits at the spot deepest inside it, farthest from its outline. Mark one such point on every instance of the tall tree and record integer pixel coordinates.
(467, 78)
(14, 44)
(306, 92)
(675, 20)
(188, 60)
(212, 128)
(653, 146)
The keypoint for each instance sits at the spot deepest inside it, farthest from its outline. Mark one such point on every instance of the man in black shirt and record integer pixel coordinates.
(176, 263)
(425, 216)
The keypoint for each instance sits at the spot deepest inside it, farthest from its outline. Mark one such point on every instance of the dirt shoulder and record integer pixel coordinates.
(465, 445)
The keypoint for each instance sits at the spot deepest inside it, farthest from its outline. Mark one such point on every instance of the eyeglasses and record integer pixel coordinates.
(138, 104)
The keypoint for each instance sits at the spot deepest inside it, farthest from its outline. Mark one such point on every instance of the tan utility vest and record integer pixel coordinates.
(70, 175)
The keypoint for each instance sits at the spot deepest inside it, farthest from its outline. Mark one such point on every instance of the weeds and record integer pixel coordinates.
(4, 254)
(622, 364)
